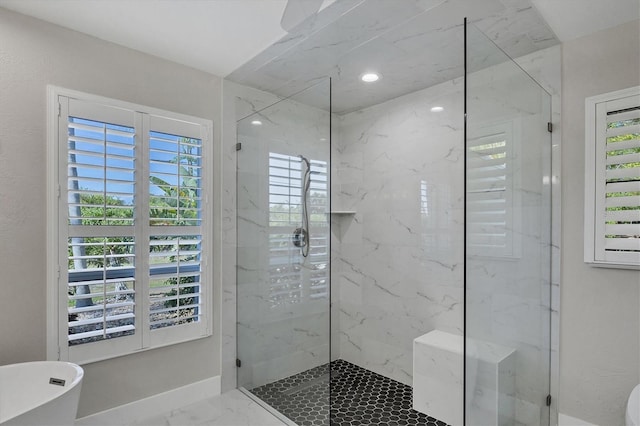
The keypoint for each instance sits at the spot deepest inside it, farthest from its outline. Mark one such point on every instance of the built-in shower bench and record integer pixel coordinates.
(438, 379)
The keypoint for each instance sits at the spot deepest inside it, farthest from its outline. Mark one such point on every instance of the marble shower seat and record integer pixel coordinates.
(438, 379)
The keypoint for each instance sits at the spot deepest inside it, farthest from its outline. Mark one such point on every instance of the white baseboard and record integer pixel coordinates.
(564, 420)
(153, 405)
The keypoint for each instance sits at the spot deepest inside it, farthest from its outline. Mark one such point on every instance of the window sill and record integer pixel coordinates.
(612, 265)
(107, 357)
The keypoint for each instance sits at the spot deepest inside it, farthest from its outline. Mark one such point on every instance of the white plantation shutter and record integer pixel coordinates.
(175, 270)
(319, 252)
(102, 164)
(176, 239)
(622, 185)
(100, 154)
(612, 179)
(175, 168)
(491, 216)
(132, 234)
(290, 282)
(110, 278)
(612, 198)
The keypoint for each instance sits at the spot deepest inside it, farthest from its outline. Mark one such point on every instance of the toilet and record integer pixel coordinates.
(633, 408)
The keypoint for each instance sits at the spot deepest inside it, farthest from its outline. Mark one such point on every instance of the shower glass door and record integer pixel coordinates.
(283, 254)
(508, 240)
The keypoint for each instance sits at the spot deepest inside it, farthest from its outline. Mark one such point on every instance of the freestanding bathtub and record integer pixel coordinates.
(39, 393)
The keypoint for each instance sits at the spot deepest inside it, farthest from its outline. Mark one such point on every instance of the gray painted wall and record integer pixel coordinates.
(600, 312)
(32, 55)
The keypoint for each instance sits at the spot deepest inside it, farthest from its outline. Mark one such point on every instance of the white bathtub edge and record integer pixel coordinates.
(564, 420)
(153, 405)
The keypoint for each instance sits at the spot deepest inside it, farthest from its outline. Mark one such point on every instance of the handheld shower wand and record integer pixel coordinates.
(301, 236)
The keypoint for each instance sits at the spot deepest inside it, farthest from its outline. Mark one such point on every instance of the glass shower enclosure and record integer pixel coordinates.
(283, 251)
(380, 224)
(508, 240)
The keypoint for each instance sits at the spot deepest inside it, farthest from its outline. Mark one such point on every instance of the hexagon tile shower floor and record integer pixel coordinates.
(358, 397)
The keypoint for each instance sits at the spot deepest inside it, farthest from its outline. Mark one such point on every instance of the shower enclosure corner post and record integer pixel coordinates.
(464, 233)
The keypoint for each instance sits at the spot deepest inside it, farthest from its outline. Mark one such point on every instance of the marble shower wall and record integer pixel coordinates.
(509, 293)
(417, 43)
(398, 260)
(283, 326)
(238, 101)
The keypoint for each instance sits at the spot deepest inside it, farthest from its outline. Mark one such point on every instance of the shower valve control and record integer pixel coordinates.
(299, 237)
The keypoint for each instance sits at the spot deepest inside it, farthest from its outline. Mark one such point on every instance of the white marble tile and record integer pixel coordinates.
(401, 271)
(397, 272)
(415, 44)
(244, 216)
(232, 408)
(510, 300)
(283, 328)
(400, 258)
(438, 378)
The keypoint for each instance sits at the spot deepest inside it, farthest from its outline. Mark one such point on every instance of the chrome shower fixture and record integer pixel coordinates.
(301, 236)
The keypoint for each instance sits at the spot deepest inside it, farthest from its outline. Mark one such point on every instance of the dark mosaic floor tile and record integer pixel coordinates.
(358, 397)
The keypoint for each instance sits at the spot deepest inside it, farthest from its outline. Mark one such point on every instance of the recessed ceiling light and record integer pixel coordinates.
(370, 77)
(256, 123)
(437, 109)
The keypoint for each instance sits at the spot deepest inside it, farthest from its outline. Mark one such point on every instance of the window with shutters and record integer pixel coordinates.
(493, 218)
(293, 279)
(612, 179)
(131, 226)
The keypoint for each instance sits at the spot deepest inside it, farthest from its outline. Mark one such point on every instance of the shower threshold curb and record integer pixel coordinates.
(277, 414)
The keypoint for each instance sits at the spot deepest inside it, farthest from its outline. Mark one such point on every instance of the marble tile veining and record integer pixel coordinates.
(283, 307)
(399, 263)
(232, 408)
(414, 44)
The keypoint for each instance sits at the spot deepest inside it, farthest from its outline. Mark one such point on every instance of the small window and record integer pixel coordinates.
(493, 219)
(288, 272)
(612, 179)
(130, 221)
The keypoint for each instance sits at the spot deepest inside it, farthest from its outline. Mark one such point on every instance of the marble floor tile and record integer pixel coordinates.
(229, 409)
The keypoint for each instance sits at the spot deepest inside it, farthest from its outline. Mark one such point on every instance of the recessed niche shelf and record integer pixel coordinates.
(340, 220)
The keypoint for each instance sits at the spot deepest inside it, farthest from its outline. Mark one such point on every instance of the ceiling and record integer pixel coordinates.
(218, 36)
(413, 44)
(571, 19)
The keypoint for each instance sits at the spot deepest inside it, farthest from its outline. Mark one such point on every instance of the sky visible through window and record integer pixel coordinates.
(96, 147)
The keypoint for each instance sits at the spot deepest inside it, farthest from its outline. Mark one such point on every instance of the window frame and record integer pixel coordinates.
(595, 166)
(57, 235)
